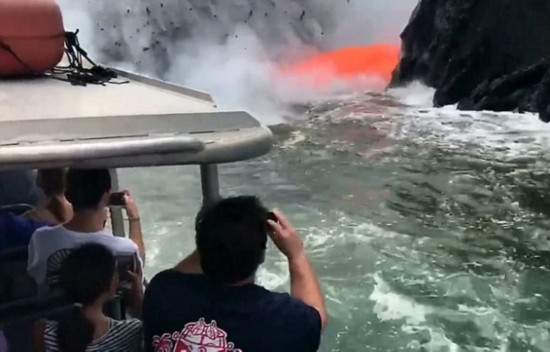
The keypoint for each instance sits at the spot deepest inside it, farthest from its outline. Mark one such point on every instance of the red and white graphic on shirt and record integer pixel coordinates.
(195, 337)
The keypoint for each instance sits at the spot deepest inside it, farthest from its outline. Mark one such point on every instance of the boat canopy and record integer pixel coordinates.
(47, 123)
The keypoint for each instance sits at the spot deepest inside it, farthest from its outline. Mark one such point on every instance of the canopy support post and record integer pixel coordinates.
(210, 183)
(117, 218)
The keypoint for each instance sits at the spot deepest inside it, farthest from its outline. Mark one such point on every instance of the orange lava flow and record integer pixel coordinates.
(376, 61)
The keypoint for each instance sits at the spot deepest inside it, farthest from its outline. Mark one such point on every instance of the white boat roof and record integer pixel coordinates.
(50, 123)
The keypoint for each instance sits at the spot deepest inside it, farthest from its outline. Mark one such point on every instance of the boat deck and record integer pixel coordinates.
(48, 123)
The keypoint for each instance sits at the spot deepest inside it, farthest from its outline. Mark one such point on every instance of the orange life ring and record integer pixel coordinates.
(33, 31)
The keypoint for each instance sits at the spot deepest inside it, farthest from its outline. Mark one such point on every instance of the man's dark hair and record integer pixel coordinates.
(231, 238)
(85, 187)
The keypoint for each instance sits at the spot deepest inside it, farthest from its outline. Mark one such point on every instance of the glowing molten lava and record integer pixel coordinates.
(347, 64)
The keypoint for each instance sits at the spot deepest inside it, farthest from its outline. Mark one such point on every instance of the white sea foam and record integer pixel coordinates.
(393, 306)
(505, 135)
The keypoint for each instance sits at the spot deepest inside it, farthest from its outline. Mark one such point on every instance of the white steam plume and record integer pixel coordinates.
(230, 47)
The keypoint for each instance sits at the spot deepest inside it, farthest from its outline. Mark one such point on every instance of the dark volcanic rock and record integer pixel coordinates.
(516, 91)
(485, 54)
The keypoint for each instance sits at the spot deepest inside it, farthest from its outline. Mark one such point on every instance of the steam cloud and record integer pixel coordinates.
(230, 48)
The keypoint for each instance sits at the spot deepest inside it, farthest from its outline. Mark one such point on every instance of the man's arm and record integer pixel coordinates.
(136, 235)
(32, 260)
(304, 285)
(303, 282)
(134, 220)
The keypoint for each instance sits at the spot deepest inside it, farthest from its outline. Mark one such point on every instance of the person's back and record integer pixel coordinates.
(120, 335)
(88, 190)
(247, 317)
(50, 245)
(88, 278)
(223, 309)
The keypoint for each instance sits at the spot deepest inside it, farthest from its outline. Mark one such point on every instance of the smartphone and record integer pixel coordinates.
(125, 264)
(271, 216)
(117, 199)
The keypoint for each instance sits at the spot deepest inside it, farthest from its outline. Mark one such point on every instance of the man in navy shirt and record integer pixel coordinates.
(209, 302)
(16, 231)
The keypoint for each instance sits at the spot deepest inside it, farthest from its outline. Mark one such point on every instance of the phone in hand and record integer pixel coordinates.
(271, 216)
(124, 265)
(117, 199)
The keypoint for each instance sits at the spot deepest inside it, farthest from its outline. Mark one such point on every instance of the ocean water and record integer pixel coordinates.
(428, 228)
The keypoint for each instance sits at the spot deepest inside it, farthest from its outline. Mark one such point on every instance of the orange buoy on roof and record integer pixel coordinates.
(31, 30)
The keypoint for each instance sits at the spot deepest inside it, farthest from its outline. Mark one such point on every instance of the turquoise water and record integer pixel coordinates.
(428, 228)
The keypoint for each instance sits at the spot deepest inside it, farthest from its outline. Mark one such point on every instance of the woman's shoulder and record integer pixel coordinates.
(124, 335)
(33, 214)
(126, 326)
(40, 214)
(50, 326)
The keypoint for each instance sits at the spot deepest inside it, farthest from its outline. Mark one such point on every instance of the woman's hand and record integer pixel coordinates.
(136, 292)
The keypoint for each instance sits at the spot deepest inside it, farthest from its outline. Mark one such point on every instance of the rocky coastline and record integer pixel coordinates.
(480, 54)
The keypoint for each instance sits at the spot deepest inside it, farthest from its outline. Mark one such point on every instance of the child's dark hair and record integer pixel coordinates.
(85, 275)
(86, 187)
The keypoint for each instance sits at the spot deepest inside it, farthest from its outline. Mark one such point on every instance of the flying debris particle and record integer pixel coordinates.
(146, 48)
(190, 9)
(302, 15)
(265, 15)
(114, 25)
(161, 5)
(148, 11)
(102, 29)
(127, 10)
(250, 15)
